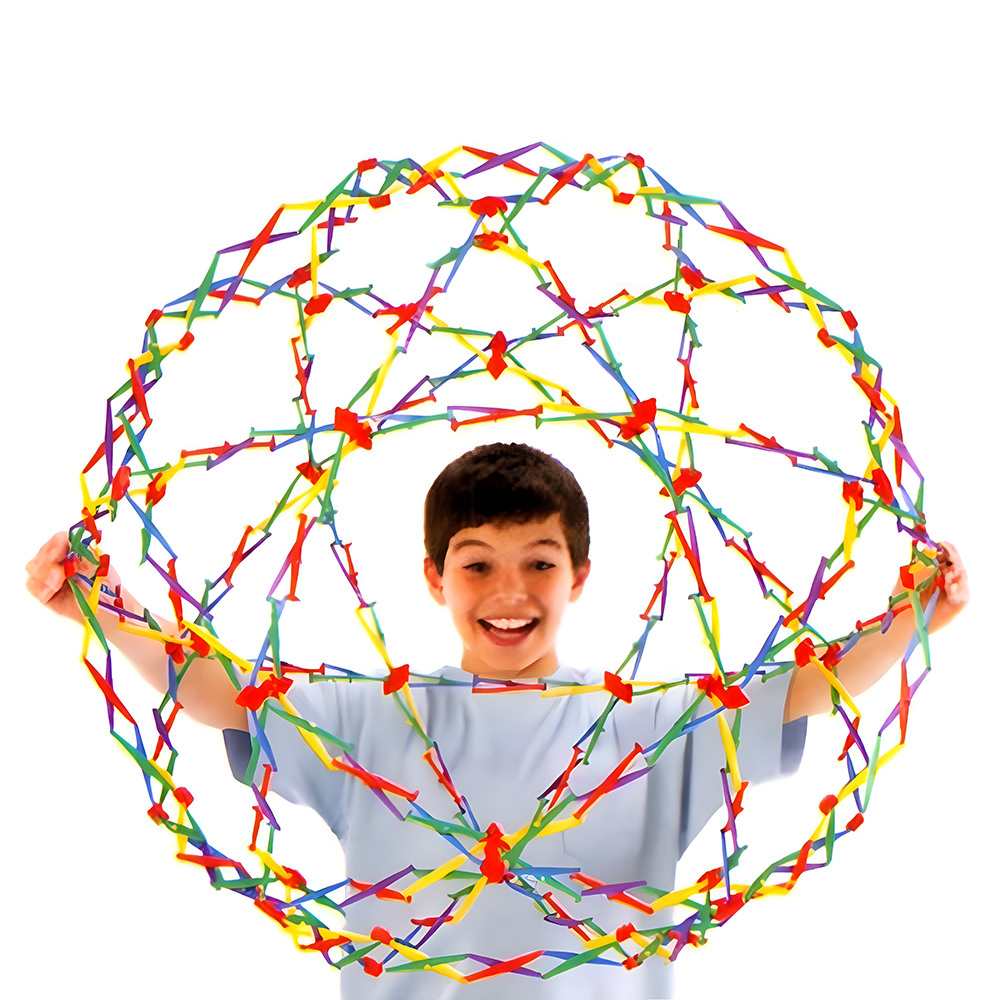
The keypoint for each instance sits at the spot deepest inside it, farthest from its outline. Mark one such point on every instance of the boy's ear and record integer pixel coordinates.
(579, 579)
(434, 583)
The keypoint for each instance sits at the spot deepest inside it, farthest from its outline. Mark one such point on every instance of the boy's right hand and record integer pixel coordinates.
(206, 690)
(47, 581)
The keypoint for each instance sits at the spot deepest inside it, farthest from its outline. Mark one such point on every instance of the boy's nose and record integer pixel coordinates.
(511, 585)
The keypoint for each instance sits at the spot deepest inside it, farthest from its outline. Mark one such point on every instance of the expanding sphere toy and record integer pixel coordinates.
(562, 371)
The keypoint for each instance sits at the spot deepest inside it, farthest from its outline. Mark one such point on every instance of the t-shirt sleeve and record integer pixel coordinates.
(238, 751)
(767, 749)
(299, 775)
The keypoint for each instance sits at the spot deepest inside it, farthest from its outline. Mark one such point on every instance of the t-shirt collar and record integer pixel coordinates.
(563, 673)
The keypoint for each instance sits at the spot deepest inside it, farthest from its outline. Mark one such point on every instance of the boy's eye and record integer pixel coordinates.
(541, 564)
(476, 567)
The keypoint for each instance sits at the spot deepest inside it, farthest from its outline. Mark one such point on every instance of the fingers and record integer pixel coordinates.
(952, 570)
(43, 587)
(949, 561)
(55, 549)
(956, 579)
(948, 556)
(45, 571)
(46, 574)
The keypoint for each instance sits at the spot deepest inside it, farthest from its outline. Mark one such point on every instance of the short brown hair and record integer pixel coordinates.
(504, 482)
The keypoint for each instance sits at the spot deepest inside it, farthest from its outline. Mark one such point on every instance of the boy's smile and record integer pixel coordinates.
(506, 586)
(507, 631)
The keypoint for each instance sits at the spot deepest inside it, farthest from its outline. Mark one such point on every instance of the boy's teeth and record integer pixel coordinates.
(508, 622)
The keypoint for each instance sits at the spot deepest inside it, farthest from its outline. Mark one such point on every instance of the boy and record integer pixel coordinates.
(507, 538)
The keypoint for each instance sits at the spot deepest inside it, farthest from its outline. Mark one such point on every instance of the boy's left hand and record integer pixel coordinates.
(953, 595)
(873, 654)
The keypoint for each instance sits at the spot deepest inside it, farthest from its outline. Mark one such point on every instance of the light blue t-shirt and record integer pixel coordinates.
(502, 752)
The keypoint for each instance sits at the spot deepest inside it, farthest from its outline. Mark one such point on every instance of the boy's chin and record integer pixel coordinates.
(511, 671)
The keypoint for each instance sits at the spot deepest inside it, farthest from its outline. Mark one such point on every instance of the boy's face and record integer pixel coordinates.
(506, 587)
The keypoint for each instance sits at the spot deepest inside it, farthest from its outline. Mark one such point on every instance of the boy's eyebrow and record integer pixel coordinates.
(472, 541)
(553, 542)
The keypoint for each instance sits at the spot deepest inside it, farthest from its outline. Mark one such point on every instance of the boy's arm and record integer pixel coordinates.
(872, 655)
(205, 691)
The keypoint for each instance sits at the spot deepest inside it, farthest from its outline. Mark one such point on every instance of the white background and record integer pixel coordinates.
(140, 141)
